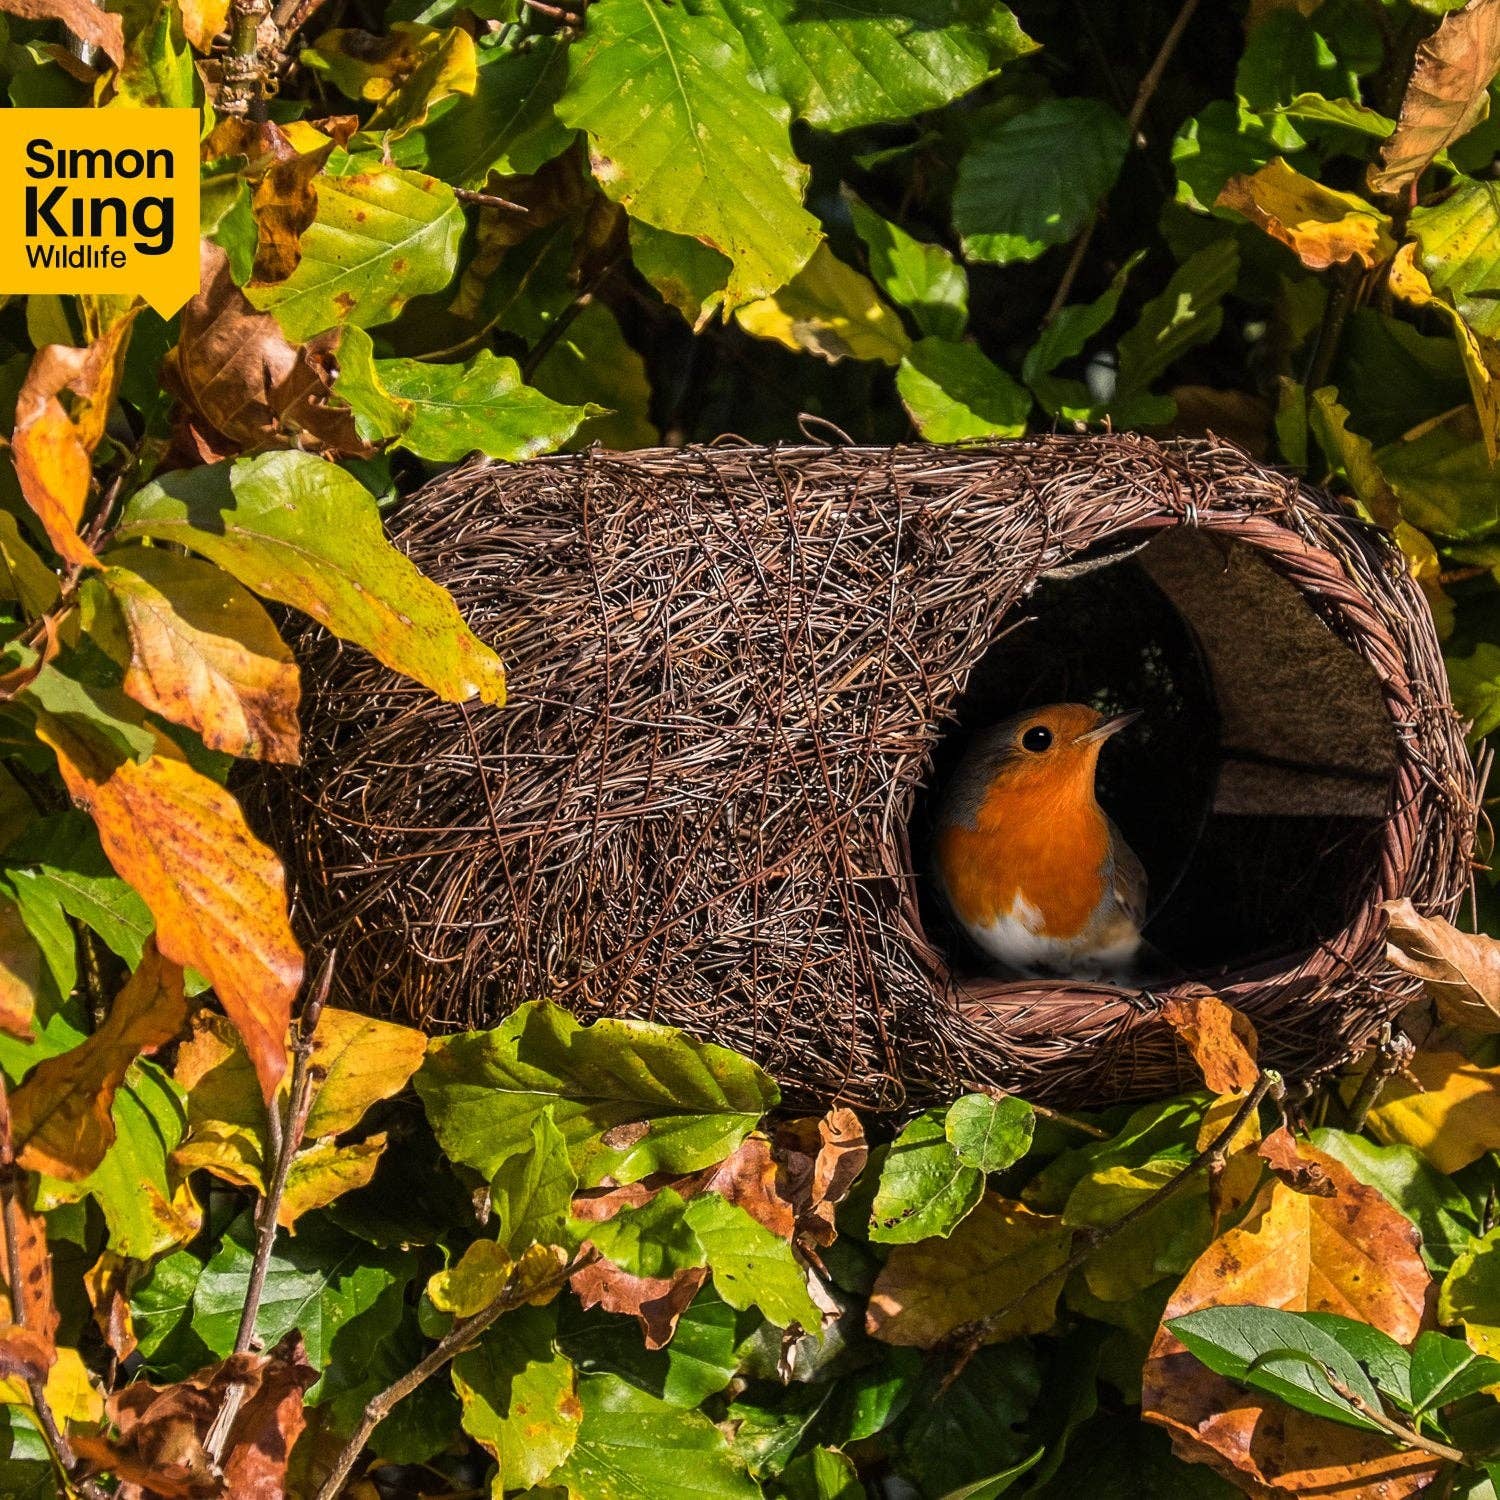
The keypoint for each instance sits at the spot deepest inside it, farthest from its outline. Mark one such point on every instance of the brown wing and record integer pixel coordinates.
(1129, 879)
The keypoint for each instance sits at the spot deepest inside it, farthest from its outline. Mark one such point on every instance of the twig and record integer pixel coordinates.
(1407, 1435)
(489, 200)
(242, 92)
(564, 320)
(285, 1140)
(453, 1343)
(1392, 1053)
(1211, 1157)
(1149, 84)
(52, 1434)
(1331, 330)
(1055, 1115)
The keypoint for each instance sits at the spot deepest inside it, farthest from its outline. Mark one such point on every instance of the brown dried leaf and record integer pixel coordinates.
(1460, 970)
(107, 1283)
(1001, 1254)
(82, 17)
(20, 972)
(52, 449)
(747, 1178)
(246, 388)
(820, 1159)
(205, 654)
(1284, 1157)
(657, 1302)
(217, 893)
(1351, 1254)
(1323, 226)
(1221, 1040)
(28, 1338)
(1446, 95)
(60, 1116)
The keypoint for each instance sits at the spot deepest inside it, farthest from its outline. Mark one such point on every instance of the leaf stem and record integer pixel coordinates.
(1395, 1429)
(453, 1343)
(1055, 1115)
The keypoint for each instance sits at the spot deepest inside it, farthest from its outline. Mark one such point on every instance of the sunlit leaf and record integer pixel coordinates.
(988, 1133)
(955, 392)
(1471, 1294)
(923, 278)
(1444, 1104)
(925, 1188)
(1320, 225)
(750, 1266)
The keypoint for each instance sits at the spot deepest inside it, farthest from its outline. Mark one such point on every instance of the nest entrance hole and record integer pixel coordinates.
(1255, 786)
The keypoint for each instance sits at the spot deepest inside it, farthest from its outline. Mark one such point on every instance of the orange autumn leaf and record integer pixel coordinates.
(28, 1336)
(217, 893)
(88, 22)
(1221, 1040)
(1322, 226)
(52, 449)
(1350, 1253)
(60, 1116)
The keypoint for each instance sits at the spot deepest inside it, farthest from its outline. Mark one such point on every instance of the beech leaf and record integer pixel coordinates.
(1220, 1040)
(1320, 225)
(1459, 970)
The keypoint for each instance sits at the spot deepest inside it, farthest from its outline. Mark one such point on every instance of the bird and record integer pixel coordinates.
(1030, 865)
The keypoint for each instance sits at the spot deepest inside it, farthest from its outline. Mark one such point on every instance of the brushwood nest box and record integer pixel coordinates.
(736, 675)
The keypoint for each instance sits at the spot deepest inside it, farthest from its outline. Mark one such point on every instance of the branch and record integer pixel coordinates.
(1388, 1424)
(1392, 1053)
(1055, 1115)
(453, 1343)
(285, 1139)
(1211, 1157)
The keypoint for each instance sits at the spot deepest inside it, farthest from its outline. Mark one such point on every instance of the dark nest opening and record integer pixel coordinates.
(738, 673)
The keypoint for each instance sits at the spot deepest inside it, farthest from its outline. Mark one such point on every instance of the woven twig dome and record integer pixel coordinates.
(732, 672)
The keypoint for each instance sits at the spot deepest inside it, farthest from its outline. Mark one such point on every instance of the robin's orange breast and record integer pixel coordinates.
(1049, 851)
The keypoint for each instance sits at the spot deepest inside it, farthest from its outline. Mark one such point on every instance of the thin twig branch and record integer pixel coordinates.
(285, 1139)
(564, 320)
(489, 200)
(1055, 1115)
(1383, 1420)
(1392, 1053)
(453, 1343)
(1211, 1158)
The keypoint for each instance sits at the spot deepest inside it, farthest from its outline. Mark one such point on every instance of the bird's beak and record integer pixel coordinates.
(1108, 728)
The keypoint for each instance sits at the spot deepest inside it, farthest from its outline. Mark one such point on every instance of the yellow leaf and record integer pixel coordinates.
(361, 1060)
(204, 653)
(20, 972)
(226, 1116)
(830, 310)
(929, 1289)
(69, 1390)
(1471, 1294)
(324, 1172)
(1449, 1109)
(1323, 226)
(203, 20)
(474, 1281)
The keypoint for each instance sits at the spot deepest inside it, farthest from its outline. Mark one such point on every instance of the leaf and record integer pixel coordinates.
(819, 1160)
(1281, 1154)
(680, 137)
(1445, 96)
(531, 1192)
(1320, 225)
(954, 393)
(304, 532)
(23, 575)
(28, 1336)
(1033, 181)
(358, 1061)
(324, 1172)
(244, 385)
(691, 276)
(1000, 1259)
(1445, 1370)
(1443, 477)
(218, 895)
(448, 411)
(1458, 244)
(204, 654)
(591, 362)
(1187, 313)
(51, 449)
(381, 236)
(629, 1097)
(923, 278)
(630, 1444)
(61, 1121)
(1279, 1353)
(652, 1241)
(405, 71)
(655, 1302)
(989, 1134)
(473, 1281)
(96, 27)
(925, 1189)
(1351, 1254)
(20, 971)
(830, 310)
(1221, 1040)
(1068, 334)
(822, 1474)
(750, 1266)
(841, 67)
(508, 124)
(1443, 1104)
(1470, 1294)
(519, 1397)
(1460, 971)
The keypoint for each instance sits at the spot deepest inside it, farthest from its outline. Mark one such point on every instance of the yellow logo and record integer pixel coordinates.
(100, 200)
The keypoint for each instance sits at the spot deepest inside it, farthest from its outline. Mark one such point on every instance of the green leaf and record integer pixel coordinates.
(842, 66)
(1344, 114)
(160, 1302)
(629, 1097)
(445, 412)
(1388, 1364)
(1393, 378)
(1445, 1370)
(1067, 335)
(652, 1240)
(630, 1445)
(1034, 181)
(102, 716)
(925, 1190)
(508, 124)
(751, 1267)
(690, 275)
(1285, 56)
(381, 236)
(519, 1397)
(318, 1281)
(1458, 243)
(532, 1191)
(923, 278)
(823, 1474)
(680, 137)
(1470, 1294)
(591, 362)
(1279, 1353)
(300, 530)
(989, 1134)
(24, 577)
(1189, 312)
(1475, 683)
(1443, 478)
(1223, 141)
(954, 393)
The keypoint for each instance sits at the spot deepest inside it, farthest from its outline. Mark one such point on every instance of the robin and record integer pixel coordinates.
(1030, 864)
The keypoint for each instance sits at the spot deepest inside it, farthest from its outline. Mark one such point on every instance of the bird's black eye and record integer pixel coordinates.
(1037, 738)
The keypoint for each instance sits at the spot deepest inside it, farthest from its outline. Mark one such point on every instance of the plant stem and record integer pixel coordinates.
(1340, 302)
(1407, 1435)
(1055, 1115)
(1211, 1157)
(454, 1342)
(1392, 1053)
